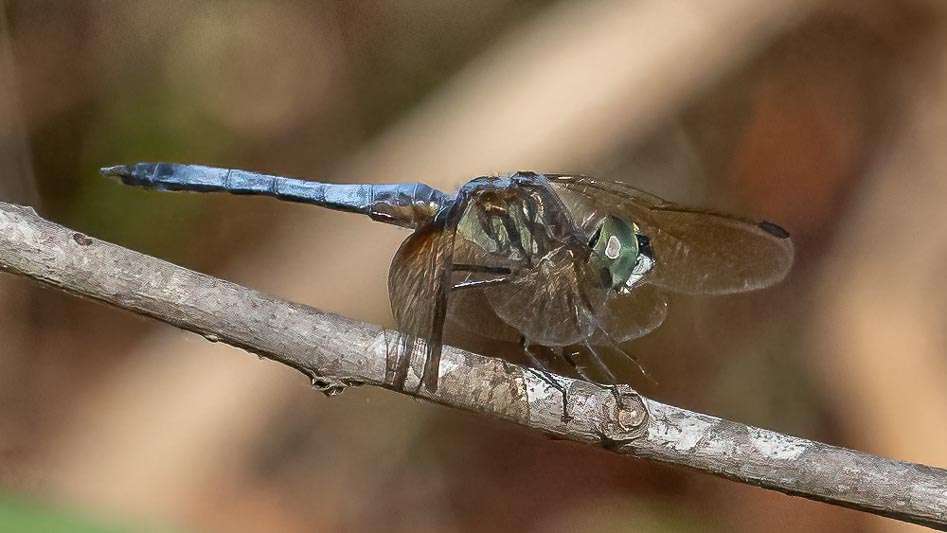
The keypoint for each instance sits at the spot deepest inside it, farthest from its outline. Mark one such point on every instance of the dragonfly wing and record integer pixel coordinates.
(470, 307)
(555, 303)
(518, 234)
(696, 251)
(471, 310)
(627, 316)
(419, 283)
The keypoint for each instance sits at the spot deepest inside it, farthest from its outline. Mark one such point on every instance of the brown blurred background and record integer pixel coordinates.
(829, 118)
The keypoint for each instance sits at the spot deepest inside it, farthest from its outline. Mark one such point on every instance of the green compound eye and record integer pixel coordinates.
(615, 249)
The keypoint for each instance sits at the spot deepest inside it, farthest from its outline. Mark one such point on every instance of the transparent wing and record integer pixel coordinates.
(521, 236)
(696, 251)
(629, 316)
(418, 286)
(555, 303)
(470, 307)
(471, 310)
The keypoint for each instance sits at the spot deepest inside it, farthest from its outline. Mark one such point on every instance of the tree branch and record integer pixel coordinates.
(336, 353)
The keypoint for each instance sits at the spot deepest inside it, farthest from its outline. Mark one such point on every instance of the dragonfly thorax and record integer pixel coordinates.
(619, 253)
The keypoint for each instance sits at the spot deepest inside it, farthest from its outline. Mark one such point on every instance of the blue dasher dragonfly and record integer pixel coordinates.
(547, 260)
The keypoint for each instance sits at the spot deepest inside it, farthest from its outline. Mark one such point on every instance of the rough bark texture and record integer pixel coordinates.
(336, 353)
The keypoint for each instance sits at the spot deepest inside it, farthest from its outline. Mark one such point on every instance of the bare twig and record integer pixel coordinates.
(336, 353)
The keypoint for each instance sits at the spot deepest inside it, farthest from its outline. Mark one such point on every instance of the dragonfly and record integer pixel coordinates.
(550, 261)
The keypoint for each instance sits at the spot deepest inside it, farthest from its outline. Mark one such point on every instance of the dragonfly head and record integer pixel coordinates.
(619, 253)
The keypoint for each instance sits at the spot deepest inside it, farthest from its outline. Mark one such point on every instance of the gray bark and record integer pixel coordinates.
(336, 353)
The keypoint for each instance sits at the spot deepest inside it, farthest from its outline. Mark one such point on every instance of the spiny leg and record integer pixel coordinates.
(539, 370)
(612, 384)
(611, 343)
(502, 275)
(570, 358)
(481, 283)
(468, 267)
(600, 365)
(614, 345)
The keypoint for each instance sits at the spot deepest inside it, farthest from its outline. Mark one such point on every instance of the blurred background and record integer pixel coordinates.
(829, 118)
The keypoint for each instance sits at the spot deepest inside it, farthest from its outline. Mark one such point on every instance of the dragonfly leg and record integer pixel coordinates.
(467, 267)
(600, 366)
(641, 368)
(479, 283)
(612, 384)
(539, 370)
(502, 276)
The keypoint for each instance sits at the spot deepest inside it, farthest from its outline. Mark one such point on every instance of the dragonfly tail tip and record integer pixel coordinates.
(117, 171)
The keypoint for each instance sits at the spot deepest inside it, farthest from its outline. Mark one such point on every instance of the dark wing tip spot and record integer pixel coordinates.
(773, 229)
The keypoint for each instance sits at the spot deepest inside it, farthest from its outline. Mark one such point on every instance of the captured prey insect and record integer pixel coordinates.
(547, 260)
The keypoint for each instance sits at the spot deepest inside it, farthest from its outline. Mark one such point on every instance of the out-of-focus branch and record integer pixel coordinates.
(336, 353)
